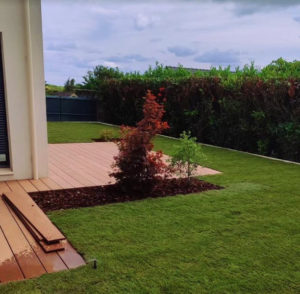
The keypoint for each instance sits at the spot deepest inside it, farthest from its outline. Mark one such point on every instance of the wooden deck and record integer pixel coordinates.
(70, 166)
(77, 165)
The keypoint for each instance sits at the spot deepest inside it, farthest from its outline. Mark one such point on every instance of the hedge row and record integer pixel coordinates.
(251, 114)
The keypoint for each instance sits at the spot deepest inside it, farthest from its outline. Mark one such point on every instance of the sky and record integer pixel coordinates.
(133, 34)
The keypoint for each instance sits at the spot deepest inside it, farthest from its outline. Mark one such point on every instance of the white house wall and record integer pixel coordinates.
(18, 91)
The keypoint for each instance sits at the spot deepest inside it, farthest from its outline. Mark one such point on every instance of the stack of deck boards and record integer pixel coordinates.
(30, 245)
(37, 223)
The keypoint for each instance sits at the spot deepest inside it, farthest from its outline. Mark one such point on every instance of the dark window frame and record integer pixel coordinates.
(4, 145)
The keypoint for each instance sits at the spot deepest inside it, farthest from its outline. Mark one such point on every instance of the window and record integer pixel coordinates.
(4, 149)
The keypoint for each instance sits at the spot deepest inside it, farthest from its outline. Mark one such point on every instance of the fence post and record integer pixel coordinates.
(60, 108)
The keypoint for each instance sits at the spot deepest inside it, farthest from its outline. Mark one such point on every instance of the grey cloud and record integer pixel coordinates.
(143, 21)
(155, 40)
(246, 10)
(217, 57)
(297, 18)
(61, 46)
(128, 58)
(181, 51)
(247, 7)
(271, 3)
(104, 29)
(81, 64)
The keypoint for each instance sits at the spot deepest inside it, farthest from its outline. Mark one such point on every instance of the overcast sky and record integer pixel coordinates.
(131, 35)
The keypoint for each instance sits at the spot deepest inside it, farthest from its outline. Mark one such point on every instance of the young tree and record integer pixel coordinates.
(137, 167)
(187, 156)
(69, 85)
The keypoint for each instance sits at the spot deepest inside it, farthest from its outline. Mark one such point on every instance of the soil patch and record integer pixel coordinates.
(101, 195)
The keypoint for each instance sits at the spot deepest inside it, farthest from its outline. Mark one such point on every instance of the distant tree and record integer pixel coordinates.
(282, 68)
(53, 89)
(100, 73)
(70, 85)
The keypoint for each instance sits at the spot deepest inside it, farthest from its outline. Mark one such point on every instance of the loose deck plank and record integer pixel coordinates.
(34, 215)
(52, 247)
(50, 261)
(34, 233)
(9, 268)
(29, 263)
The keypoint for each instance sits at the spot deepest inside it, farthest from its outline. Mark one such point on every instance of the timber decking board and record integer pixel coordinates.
(15, 186)
(4, 187)
(95, 171)
(39, 185)
(34, 233)
(27, 186)
(9, 268)
(51, 184)
(59, 171)
(23, 252)
(34, 215)
(70, 256)
(50, 261)
(52, 247)
(93, 161)
(33, 261)
(79, 173)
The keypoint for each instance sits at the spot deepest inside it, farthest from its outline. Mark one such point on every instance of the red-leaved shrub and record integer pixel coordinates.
(137, 168)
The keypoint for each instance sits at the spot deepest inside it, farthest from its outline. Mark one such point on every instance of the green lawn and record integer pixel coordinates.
(70, 132)
(242, 239)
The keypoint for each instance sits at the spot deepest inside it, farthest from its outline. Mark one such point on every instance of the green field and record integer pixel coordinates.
(242, 239)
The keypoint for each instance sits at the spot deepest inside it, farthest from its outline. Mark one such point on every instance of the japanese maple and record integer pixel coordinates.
(137, 167)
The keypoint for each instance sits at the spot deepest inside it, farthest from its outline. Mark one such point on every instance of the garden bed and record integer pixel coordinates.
(101, 195)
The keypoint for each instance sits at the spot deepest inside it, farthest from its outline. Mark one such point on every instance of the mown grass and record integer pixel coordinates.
(73, 132)
(242, 239)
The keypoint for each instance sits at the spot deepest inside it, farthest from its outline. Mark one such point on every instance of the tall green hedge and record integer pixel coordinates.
(248, 109)
(248, 113)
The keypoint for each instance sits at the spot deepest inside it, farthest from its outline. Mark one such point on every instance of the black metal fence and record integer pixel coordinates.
(71, 109)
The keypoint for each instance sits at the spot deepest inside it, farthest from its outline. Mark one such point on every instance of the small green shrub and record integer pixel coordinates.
(107, 136)
(187, 156)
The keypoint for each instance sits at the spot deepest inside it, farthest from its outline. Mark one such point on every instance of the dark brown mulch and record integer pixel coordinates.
(115, 140)
(100, 195)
